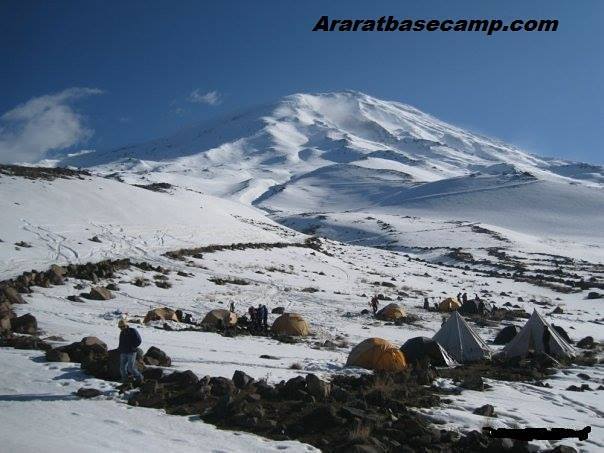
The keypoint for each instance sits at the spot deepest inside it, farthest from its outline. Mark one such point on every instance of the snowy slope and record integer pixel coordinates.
(59, 217)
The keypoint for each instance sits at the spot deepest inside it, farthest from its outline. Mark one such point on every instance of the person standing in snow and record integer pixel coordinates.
(426, 304)
(129, 342)
(265, 317)
(546, 337)
(232, 307)
(374, 304)
(459, 297)
(464, 297)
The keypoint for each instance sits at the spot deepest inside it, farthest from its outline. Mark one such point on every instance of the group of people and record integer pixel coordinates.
(462, 298)
(259, 317)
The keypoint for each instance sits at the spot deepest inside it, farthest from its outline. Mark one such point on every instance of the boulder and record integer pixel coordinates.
(88, 392)
(473, 382)
(11, 295)
(319, 389)
(160, 314)
(156, 357)
(278, 310)
(586, 343)
(242, 380)
(74, 298)
(290, 388)
(6, 310)
(55, 355)
(222, 386)
(99, 293)
(5, 325)
(56, 274)
(487, 411)
(594, 295)
(93, 343)
(506, 335)
(24, 324)
(558, 310)
(181, 378)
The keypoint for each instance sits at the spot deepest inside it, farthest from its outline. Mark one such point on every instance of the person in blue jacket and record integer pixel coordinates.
(130, 340)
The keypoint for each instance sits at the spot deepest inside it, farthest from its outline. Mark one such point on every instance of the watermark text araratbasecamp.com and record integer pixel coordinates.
(391, 24)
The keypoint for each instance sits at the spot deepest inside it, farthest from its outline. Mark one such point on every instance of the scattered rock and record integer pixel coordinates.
(74, 298)
(506, 335)
(95, 239)
(487, 411)
(24, 324)
(317, 388)
(594, 295)
(558, 310)
(156, 357)
(88, 392)
(54, 355)
(99, 293)
(11, 295)
(112, 287)
(473, 383)
(586, 343)
(242, 380)
(585, 377)
(278, 310)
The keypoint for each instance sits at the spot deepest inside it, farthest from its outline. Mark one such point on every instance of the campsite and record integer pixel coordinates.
(299, 227)
(322, 346)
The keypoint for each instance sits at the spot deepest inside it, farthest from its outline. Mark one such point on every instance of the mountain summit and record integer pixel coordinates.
(347, 150)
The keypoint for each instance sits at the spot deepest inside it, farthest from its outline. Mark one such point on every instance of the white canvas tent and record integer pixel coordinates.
(530, 338)
(461, 341)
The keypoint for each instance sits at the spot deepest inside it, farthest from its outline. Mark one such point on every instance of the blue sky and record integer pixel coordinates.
(97, 75)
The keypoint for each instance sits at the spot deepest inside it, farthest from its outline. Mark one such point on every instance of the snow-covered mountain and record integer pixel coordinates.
(336, 152)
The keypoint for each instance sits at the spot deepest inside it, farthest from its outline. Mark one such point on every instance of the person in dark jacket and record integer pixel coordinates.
(264, 317)
(130, 340)
(374, 304)
(464, 298)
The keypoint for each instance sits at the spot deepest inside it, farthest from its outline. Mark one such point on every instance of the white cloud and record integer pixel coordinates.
(42, 124)
(210, 98)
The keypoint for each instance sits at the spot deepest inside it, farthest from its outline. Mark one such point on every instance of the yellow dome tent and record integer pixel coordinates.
(391, 312)
(160, 314)
(291, 324)
(217, 317)
(377, 354)
(449, 304)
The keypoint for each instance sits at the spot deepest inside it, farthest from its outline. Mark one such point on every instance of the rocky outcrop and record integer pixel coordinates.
(367, 413)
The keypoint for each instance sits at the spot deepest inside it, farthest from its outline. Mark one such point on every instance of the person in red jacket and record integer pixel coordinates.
(130, 340)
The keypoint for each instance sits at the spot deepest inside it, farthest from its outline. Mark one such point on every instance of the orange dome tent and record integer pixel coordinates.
(449, 304)
(291, 324)
(391, 312)
(217, 317)
(377, 354)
